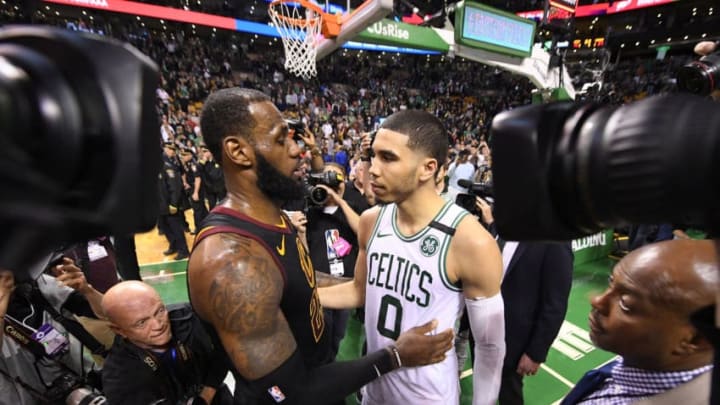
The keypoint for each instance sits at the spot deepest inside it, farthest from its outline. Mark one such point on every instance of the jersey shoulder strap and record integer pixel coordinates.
(448, 221)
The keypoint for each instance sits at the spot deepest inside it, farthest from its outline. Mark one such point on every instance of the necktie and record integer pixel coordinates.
(589, 383)
(501, 243)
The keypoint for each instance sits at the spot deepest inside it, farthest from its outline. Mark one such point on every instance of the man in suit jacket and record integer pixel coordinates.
(535, 288)
(652, 314)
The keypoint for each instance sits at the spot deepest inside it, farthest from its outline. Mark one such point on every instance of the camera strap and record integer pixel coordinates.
(20, 334)
(73, 327)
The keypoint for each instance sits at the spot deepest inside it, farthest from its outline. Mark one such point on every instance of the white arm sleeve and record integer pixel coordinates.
(487, 321)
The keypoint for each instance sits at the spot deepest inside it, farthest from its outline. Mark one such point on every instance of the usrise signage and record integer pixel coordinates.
(389, 32)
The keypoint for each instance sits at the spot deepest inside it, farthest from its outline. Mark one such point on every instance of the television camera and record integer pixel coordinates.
(80, 150)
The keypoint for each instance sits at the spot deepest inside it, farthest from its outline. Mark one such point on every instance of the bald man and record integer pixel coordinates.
(645, 317)
(160, 355)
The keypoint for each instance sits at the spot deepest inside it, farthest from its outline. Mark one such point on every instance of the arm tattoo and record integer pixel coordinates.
(244, 300)
(327, 280)
(237, 283)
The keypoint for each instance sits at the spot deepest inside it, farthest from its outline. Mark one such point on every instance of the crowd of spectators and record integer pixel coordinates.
(629, 79)
(354, 91)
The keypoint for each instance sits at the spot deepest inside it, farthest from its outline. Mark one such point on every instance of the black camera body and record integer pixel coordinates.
(566, 170)
(298, 129)
(700, 77)
(317, 195)
(69, 388)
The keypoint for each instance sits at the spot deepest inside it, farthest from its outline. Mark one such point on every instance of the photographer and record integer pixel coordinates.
(332, 241)
(42, 359)
(160, 355)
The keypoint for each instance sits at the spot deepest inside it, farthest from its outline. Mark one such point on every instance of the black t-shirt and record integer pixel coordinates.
(323, 230)
(132, 375)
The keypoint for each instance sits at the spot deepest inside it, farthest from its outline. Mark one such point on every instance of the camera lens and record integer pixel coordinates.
(318, 195)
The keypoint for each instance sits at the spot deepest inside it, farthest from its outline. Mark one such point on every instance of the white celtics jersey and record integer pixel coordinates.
(407, 286)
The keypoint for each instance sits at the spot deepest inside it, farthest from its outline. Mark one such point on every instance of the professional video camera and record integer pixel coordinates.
(317, 195)
(701, 77)
(483, 190)
(564, 170)
(78, 130)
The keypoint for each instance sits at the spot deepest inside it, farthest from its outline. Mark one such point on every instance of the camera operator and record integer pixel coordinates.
(332, 241)
(42, 357)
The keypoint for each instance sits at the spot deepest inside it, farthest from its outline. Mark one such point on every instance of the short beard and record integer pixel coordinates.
(274, 184)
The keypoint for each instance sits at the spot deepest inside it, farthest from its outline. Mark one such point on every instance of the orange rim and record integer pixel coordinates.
(330, 23)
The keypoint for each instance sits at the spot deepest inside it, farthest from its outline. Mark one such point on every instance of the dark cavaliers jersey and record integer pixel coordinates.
(300, 303)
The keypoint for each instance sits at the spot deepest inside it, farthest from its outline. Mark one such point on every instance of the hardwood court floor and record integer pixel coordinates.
(571, 355)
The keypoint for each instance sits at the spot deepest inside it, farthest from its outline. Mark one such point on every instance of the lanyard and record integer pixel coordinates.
(19, 332)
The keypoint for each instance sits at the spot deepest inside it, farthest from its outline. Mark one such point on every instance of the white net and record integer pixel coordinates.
(299, 28)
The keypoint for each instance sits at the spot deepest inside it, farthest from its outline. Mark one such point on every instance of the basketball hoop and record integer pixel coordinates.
(299, 23)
